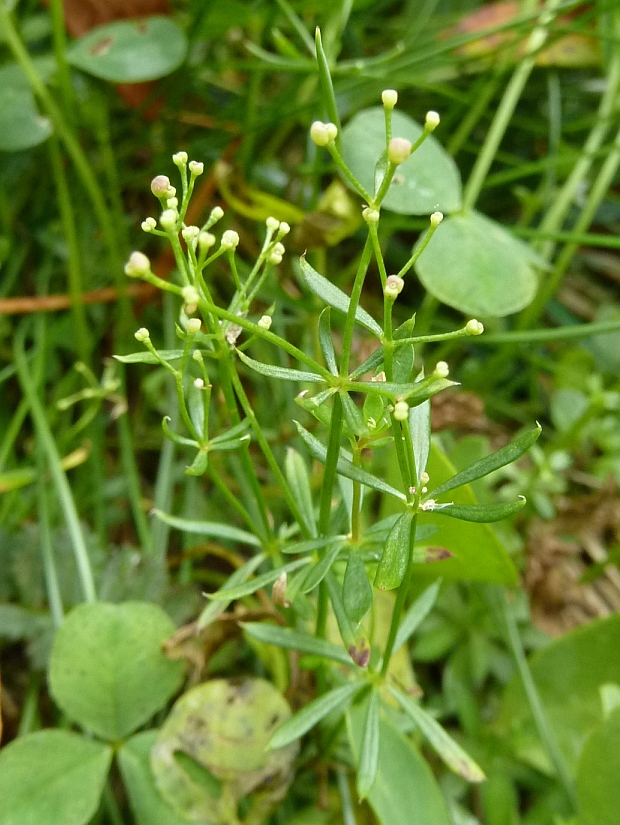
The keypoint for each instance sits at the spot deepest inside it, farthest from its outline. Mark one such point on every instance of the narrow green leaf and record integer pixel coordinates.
(147, 357)
(393, 564)
(311, 715)
(416, 614)
(299, 482)
(356, 589)
(212, 529)
(312, 544)
(369, 365)
(335, 297)
(240, 590)
(346, 467)
(292, 640)
(511, 452)
(420, 429)
(414, 393)
(347, 631)
(282, 373)
(368, 761)
(233, 433)
(325, 340)
(353, 416)
(198, 466)
(214, 609)
(441, 742)
(317, 573)
(480, 513)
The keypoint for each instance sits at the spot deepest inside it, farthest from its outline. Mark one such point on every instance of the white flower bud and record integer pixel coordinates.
(205, 241)
(436, 219)
(284, 229)
(217, 213)
(190, 294)
(148, 225)
(168, 219)
(142, 335)
(474, 327)
(230, 239)
(179, 159)
(279, 248)
(332, 131)
(193, 325)
(393, 286)
(197, 355)
(401, 410)
(323, 133)
(389, 98)
(189, 233)
(160, 186)
(370, 215)
(172, 203)
(273, 224)
(425, 478)
(137, 265)
(442, 370)
(275, 258)
(199, 383)
(196, 167)
(399, 150)
(432, 121)
(265, 322)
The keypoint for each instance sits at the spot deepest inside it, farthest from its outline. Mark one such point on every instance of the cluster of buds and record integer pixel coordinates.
(370, 215)
(323, 134)
(276, 254)
(442, 370)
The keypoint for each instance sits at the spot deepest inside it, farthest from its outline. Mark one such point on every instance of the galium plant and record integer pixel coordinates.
(321, 559)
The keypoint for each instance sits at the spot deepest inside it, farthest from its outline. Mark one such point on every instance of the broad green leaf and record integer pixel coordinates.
(420, 429)
(147, 804)
(569, 674)
(476, 266)
(405, 791)
(325, 340)
(299, 482)
(598, 775)
(281, 373)
(108, 672)
(346, 467)
(130, 51)
(213, 529)
(312, 714)
(451, 753)
(335, 297)
(21, 125)
(52, 776)
(356, 589)
(317, 573)
(238, 591)
(481, 513)
(428, 181)
(368, 762)
(393, 564)
(478, 554)
(511, 452)
(416, 614)
(214, 609)
(292, 640)
(147, 357)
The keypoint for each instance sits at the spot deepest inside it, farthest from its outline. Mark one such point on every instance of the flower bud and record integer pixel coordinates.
(190, 233)
(193, 325)
(265, 322)
(436, 219)
(142, 335)
(284, 229)
(442, 370)
(172, 203)
(318, 133)
(474, 327)
(275, 258)
(393, 286)
(230, 239)
(137, 265)
(217, 213)
(332, 131)
(148, 225)
(401, 410)
(196, 167)
(199, 383)
(425, 478)
(389, 98)
(168, 219)
(190, 294)
(399, 150)
(205, 241)
(432, 121)
(273, 224)
(196, 355)
(370, 215)
(279, 248)
(160, 186)
(179, 159)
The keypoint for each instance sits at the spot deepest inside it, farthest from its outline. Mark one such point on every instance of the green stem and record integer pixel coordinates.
(509, 100)
(560, 334)
(327, 87)
(59, 37)
(54, 599)
(54, 461)
(356, 292)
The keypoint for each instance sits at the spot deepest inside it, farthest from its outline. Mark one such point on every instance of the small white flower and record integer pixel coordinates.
(199, 383)
(393, 286)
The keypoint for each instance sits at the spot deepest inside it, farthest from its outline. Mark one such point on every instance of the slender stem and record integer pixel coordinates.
(327, 88)
(54, 599)
(59, 37)
(356, 292)
(356, 499)
(348, 812)
(558, 334)
(508, 103)
(58, 474)
(332, 148)
(29, 720)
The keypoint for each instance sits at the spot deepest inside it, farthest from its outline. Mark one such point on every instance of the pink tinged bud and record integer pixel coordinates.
(399, 150)
(393, 286)
(137, 265)
(160, 186)
(360, 653)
